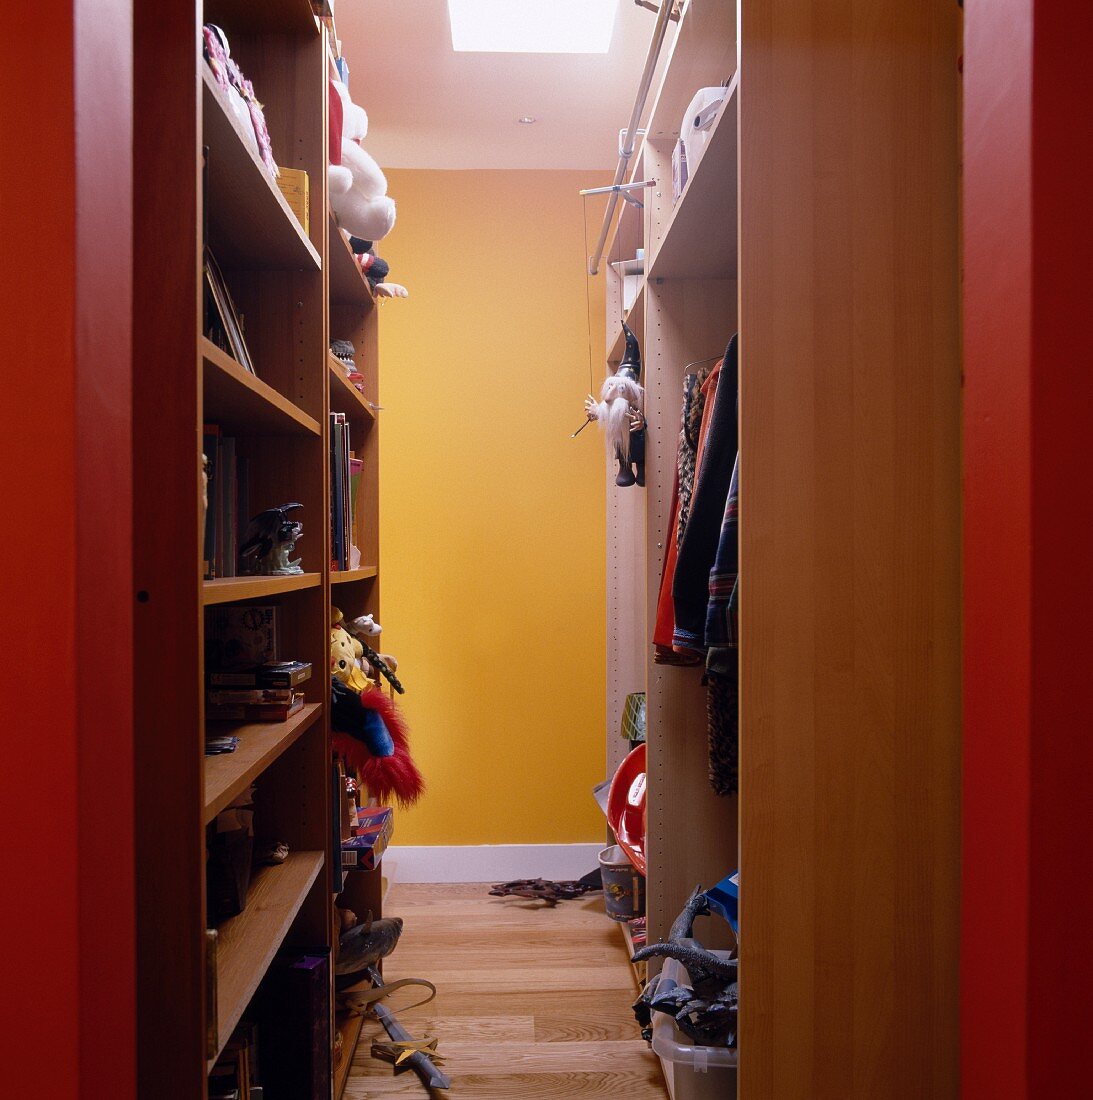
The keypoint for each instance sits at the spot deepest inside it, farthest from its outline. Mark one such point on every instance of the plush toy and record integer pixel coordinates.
(619, 412)
(368, 728)
(358, 188)
(239, 95)
(364, 627)
(376, 269)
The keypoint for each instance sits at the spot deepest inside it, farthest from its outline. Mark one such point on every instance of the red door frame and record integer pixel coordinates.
(1027, 969)
(67, 1024)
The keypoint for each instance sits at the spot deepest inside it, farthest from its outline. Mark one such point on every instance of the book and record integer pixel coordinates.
(212, 1026)
(294, 1011)
(210, 437)
(237, 697)
(255, 712)
(338, 550)
(239, 638)
(272, 674)
(228, 512)
(372, 833)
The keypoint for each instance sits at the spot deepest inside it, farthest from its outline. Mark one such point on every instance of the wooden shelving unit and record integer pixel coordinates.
(294, 288)
(256, 224)
(249, 941)
(796, 230)
(260, 744)
(347, 397)
(241, 402)
(348, 576)
(347, 281)
(232, 589)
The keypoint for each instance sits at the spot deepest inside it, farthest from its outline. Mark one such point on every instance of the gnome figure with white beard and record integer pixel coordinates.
(619, 412)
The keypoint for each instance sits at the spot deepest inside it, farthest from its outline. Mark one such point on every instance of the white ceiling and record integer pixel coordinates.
(429, 107)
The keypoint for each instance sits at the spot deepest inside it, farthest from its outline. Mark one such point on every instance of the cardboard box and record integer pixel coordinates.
(294, 186)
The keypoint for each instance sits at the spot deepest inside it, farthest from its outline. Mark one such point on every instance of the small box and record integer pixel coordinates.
(294, 186)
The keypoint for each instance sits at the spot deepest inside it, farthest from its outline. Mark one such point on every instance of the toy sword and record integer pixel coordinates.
(418, 1061)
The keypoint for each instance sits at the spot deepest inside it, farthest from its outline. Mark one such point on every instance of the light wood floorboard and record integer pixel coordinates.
(532, 1003)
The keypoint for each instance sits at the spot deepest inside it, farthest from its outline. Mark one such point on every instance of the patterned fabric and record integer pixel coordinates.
(722, 670)
(716, 456)
(694, 401)
(664, 628)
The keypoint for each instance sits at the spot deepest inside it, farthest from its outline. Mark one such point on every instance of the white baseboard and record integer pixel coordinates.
(489, 862)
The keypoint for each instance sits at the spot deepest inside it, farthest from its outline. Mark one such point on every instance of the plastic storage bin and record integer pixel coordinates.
(695, 1072)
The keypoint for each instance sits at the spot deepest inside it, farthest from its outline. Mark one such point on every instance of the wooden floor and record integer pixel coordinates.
(532, 1002)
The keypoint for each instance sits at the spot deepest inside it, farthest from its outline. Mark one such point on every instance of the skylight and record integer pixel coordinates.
(532, 26)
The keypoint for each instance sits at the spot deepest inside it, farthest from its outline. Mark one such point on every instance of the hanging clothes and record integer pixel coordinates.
(694, 405)
(698, 548)
(722, 665)
(690, 421)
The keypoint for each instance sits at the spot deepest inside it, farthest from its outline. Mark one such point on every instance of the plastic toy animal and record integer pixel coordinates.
(270, 538)
(706, 1010)
(363, 946)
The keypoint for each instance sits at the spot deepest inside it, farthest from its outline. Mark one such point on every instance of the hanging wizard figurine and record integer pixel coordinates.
(619, 412)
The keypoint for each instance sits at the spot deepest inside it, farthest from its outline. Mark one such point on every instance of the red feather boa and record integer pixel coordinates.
(384, 776)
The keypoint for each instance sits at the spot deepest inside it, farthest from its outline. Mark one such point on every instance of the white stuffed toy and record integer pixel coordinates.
(358, 187)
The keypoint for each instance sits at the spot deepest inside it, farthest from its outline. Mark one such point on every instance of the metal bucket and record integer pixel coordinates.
(623, 885)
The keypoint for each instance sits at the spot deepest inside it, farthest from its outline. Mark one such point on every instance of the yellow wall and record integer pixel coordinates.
(492, 518)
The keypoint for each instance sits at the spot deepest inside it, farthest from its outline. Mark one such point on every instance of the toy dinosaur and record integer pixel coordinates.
(706, 1010)
(270, 538)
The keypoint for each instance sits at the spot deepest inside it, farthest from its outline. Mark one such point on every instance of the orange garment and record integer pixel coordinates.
(664, 653)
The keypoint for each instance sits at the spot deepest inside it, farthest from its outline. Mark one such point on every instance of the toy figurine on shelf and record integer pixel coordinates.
(376, 269)
(368, 727)
(364, 627)
(270, 540)
(619, 413)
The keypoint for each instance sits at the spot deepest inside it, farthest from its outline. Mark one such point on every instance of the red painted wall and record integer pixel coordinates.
(66, 922)
(1027, 970)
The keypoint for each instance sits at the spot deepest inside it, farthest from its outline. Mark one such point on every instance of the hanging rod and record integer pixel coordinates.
(626, 151)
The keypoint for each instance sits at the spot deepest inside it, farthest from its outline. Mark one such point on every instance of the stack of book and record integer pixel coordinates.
(371, 834)
(236, 1074)
(252, 704)
(229, 503)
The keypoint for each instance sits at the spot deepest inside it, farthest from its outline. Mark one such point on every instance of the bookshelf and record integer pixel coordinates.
(295, 286)
(793, 229)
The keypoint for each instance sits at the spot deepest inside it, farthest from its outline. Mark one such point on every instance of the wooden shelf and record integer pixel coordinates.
(702, 55)
(253, 225)
(241, 403)
(260, 743)
(640, 970)
(348, 286)
(700, 238)
(345, 397)
(230, 589)
(346, 576)
(245, 16)
(349, 1028)
(635, 318)
(248, 942)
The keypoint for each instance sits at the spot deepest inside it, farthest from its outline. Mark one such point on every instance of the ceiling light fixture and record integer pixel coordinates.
(527, 120)
(532, 26)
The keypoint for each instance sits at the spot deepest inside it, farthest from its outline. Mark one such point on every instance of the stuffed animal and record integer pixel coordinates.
(619, 412)
(383, 664)
(358, 188)
(368, 727)
(376, 269)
